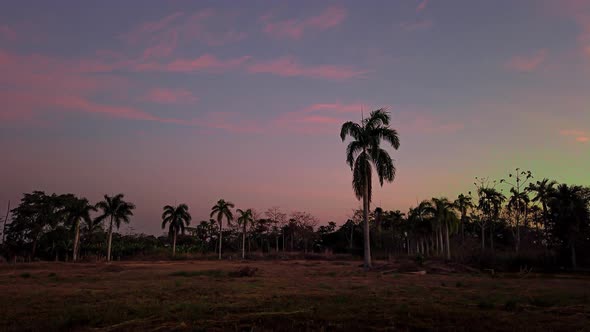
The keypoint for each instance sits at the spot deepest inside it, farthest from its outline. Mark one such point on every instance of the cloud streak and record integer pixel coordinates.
(578, 135)
(290, 67)
(295, 28)
(527, 63)
(170, 96)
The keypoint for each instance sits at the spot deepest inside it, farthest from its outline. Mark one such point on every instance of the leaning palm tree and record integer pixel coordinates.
(363, 152)
(222, 209)
(246, 218)
(176, 218)
(77, 210)
(117, 210)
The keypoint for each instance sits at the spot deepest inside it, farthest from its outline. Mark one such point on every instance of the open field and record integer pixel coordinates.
(282, 295)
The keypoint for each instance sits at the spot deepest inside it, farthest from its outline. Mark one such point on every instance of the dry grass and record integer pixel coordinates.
(290, 295)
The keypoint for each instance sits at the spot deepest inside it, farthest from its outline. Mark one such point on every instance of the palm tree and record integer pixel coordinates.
(246, 218)
(570, 208)
(463, 204)
(76, 210)
(445, 218)
(117, 210)
(176, 218)
(544, 191)
(490, 202)
(518, 204)
(363, 152)
(222, 209)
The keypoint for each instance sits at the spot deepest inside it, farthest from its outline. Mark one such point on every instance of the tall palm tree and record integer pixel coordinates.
(490, 203)
(117, 210)
(445, 217)
(544, 191)
(222, 209)
(463, 204)
(246, 218)
(77, 210)
(365, 151)
(176, 218)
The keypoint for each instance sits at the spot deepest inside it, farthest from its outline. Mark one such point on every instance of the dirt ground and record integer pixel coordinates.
(282, 295)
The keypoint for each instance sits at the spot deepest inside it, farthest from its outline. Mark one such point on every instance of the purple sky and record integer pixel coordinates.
(187, 101)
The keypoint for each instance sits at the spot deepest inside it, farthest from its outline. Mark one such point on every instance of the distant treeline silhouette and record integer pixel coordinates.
(516, 222)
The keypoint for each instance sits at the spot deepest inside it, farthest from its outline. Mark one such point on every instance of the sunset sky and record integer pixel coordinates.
(192, 101)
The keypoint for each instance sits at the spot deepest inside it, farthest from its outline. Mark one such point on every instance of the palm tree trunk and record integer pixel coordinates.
(367, 244)
(277, 243)
(351, 235)
(76, 241)
(462, 228)
(283, 234)
(220, 237)
(448, 243)
(492, 236)
(545, 217)
(440, 239)
(244, 241)
(174, 244)
(483, 238)
(110, 240)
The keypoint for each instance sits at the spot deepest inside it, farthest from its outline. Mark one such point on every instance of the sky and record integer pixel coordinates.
(191, 101)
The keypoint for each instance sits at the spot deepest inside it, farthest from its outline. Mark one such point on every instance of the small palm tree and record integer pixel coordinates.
(222, 209)
(246, 218)
(117, 210)
(176, 218)
(77, 210)
(365, 151)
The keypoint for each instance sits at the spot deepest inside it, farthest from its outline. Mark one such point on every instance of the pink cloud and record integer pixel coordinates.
(527, 64)
(289, 67)
(7, 32)
(417, 25)
(162, 37)
(579, 135)
(579, 12)
(334, 107)
(324, 118)
(140, 32)
(170, 96)
(201, 63)
(421, 6)
(295, 28)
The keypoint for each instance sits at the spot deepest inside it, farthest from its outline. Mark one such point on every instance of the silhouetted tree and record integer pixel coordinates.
(116, 210)
(177, 218)
(363, 152)
(222, 209)
(245, 219)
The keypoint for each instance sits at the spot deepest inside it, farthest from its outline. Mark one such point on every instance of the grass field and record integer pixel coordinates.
(282, 295)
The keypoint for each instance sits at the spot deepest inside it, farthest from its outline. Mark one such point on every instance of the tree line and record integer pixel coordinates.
(532, 219)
